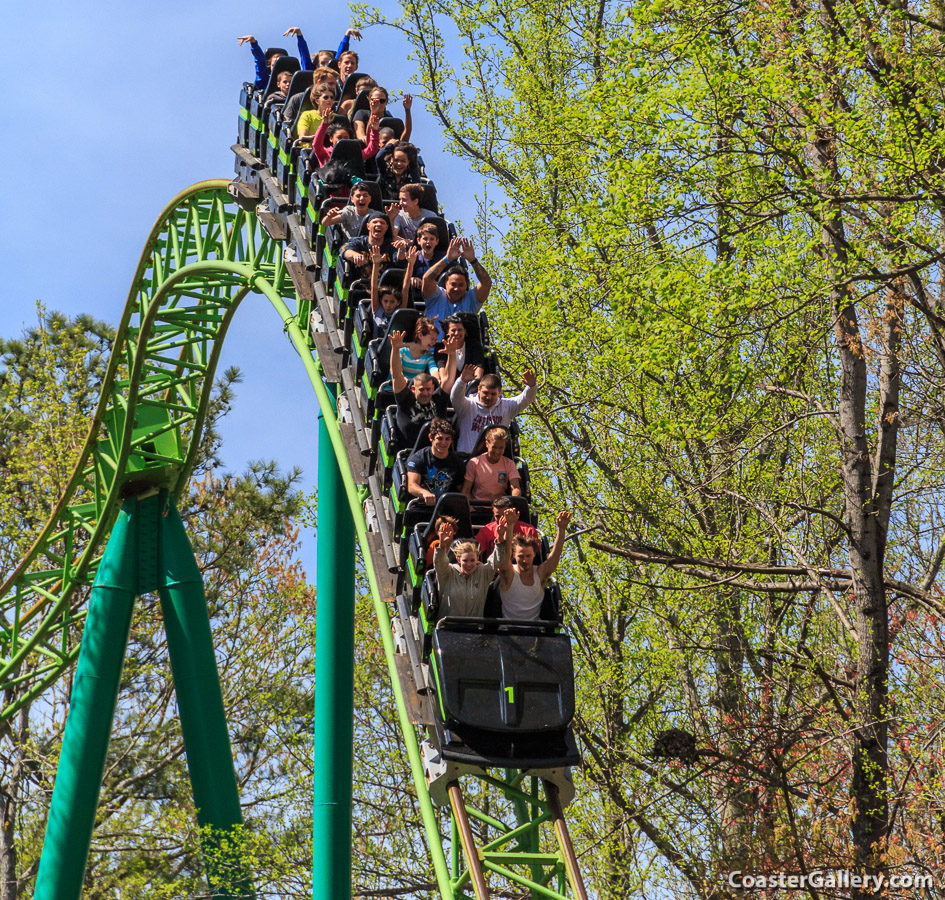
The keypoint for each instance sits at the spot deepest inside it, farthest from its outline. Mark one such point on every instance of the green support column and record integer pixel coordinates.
(334, 680)
(202, 717)
(147, 551)
(92, 706)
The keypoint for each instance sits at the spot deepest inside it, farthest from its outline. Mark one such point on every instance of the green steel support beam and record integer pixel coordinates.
(91, 711)
(147, 551)
(334, 679)
(202, 716)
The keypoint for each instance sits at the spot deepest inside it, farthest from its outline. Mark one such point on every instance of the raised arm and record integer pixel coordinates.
(458, 393)
(262, 67)
(505, 530)
(398, 382)
(527, 396)
(446, 375)
(376, 258)
(374, 138)
(304, 53)
(485, 281)
(547, 568)
(412, 254)
(408, 119)
(428, 288)
(346, 41)
(441, 561)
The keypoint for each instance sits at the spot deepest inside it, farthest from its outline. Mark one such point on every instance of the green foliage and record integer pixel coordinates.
(683, 199)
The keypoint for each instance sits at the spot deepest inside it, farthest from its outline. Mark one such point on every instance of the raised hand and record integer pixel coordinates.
(408, 101)
(396, 341)
(468, 374)
(413, 251)
(446, 532)
(467, 250)
(562, 519)
(292, 31)
(377, 256)
(454, 250)
(529, 377)
(353, 32)
(245, 39)
(451, 345)
(402, 246)
(510, 516)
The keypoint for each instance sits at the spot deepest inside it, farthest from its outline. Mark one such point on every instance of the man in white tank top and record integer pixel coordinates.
(521, 582)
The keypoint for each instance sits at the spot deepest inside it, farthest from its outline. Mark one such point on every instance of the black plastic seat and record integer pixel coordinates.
(348, 89)
(346, 162)
(397, 126)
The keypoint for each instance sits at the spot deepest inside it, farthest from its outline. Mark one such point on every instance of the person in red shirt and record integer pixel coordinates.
(486, 535)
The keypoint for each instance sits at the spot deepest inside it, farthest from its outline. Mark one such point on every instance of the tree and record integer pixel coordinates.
(719, 239)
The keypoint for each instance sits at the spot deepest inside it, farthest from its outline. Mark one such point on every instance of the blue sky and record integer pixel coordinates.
(117, 106)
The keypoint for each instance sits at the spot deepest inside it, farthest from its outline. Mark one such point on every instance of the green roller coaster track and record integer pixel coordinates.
(204, 254)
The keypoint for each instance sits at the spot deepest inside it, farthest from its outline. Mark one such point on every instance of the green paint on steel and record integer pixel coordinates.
(334, 680)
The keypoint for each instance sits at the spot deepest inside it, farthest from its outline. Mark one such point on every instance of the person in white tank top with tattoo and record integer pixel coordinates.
(521, 582)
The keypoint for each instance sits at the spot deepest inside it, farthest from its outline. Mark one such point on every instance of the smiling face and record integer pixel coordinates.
(456, 332)
(468, 562)
(495, 447)
(423, 390)
(456, 287)
(408, 204)
(441, 444)
(399, 162)
(427, 341)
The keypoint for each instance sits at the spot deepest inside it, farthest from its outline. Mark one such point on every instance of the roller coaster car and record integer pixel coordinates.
(505, 693)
